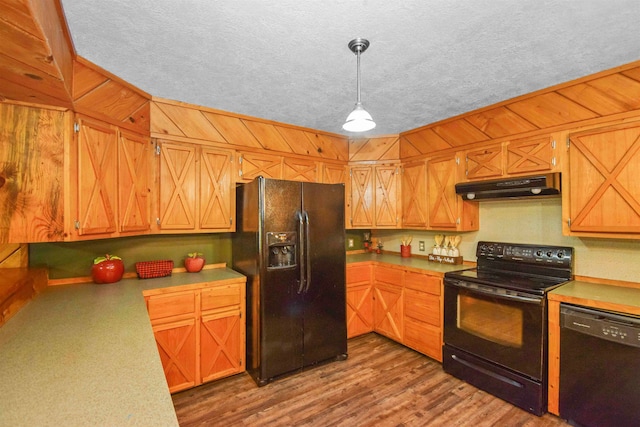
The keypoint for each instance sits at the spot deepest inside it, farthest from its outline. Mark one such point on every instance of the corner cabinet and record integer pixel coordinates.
(604, 189)
(446, 210)
(403, 304)
(195, 188)
(199, 331)
(373, 196)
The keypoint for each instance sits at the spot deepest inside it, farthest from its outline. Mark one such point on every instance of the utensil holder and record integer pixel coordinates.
(405, 251)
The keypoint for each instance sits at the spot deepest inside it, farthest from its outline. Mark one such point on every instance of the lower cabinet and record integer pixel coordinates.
(401, 304)
(359, 299)
(200, 332)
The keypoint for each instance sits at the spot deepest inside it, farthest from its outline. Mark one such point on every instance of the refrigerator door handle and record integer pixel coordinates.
(307, 251)
(301, 242)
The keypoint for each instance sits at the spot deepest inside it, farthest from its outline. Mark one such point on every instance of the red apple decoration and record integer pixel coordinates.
(107, 269)
(194, 262)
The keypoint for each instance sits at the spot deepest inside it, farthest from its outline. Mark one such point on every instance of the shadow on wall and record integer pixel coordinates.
(74, 259)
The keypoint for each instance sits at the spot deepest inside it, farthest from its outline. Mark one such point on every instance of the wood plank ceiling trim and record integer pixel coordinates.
(36, 53)
(182, 120)
(98, 93)
(377, 148)
(607, 93)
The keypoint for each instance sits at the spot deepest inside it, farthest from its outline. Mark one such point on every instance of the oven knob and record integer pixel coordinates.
(549, 254)
(491, 248)
(483, 248)
(539, 253)
(560, 254)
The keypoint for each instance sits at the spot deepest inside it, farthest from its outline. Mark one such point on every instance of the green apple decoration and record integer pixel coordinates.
(107, 269)
(194, 262)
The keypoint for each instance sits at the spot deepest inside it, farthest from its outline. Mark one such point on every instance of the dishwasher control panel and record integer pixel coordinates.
(616, 327)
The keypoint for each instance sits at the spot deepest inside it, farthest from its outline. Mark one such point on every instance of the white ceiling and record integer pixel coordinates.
(288, 60)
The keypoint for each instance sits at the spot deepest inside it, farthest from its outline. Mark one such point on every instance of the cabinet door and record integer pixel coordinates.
(361, 200)
(178, 186)
(97, 177)
(484, 163)
(386, 196)
(414, 195)
(216, 190)
(134, 161)
(604, 166)
(221, 346)
(294, 169)
(423, 337)
(442, 198)
(387, 311)
(334, 174)
(176, 343)
(530, 155)
(359, 310)
(253, 165)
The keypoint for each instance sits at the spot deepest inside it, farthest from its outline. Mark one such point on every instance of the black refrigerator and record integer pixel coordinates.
(290, 244)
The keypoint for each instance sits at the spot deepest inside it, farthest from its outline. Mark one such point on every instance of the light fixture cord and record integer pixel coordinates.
(358, 76)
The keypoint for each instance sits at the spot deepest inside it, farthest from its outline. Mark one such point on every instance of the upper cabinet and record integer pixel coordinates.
(373, 196)
(447, 211)
(110, 181)
(414, 195)
(604, 189)
(196, 189)
(511, 158)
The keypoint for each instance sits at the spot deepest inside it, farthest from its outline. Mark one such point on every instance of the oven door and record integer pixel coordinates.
(503, 327)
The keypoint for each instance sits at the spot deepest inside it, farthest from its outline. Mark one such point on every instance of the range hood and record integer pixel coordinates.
(510, 188)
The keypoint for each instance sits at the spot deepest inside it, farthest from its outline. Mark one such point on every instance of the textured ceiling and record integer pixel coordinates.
(288, 61)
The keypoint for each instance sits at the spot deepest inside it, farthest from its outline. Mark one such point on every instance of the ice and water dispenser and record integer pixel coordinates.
(282, 249)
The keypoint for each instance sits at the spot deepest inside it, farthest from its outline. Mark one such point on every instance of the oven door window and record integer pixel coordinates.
(504, 331)
(491, 320)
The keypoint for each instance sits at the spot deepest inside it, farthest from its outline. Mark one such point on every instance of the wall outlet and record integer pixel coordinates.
(421, 245)
(350, 243)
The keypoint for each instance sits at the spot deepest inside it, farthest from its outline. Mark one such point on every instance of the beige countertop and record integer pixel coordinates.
(625, 299)
(412, 263)
(85, 354)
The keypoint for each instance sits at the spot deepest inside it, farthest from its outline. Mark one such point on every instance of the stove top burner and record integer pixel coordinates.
(534, 269)
(517, 282)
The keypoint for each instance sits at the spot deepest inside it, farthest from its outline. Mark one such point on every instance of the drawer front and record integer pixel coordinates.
(422, 306)
(222, 296)
(358, 273)
(173, 304)
(388, 275)
(423, 282)
(424, 338)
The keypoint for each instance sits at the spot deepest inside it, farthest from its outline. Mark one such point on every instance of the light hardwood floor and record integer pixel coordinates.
(382, 383)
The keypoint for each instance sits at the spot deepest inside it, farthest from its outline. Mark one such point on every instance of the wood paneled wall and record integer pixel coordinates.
(36, 53)
(613, 94)
(185, 121)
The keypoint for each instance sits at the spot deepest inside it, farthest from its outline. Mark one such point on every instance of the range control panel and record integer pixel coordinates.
(560, 256)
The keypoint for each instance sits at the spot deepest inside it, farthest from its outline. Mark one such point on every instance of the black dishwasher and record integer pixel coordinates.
(599, 367)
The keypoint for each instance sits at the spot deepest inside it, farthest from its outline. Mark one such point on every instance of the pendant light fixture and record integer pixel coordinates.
(359, 120)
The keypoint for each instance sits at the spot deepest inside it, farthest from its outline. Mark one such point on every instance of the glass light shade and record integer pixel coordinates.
(359, 120)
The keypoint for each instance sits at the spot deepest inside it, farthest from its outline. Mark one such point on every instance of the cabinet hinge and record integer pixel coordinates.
(239, 172)
(76, 224)
(553, 144)
(553, 161)
(457, 160)
(157, 149)
(458, 221)
(569, 222)
(76, 127)
(568, 143)
(158, 221)
(230, 222)
(240, 159)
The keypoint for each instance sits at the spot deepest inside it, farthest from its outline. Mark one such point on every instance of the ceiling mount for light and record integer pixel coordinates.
(359, 120)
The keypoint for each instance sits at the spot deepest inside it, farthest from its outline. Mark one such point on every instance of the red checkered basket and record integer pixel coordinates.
(150, 269)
